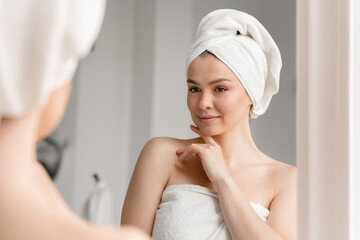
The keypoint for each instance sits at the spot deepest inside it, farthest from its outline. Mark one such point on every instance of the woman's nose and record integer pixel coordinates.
(205, 101)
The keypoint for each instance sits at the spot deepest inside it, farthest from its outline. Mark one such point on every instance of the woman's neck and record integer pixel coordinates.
(238, 145)
(18, 138)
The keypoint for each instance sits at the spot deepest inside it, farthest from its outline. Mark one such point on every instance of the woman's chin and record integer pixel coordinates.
(209, 130)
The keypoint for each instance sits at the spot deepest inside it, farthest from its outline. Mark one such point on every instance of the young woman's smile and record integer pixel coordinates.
(208, 118)
(216, 98)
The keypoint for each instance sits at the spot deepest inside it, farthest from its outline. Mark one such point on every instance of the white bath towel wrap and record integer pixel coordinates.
(189, 212)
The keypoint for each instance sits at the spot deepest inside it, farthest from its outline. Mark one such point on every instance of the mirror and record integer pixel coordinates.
(132, 87)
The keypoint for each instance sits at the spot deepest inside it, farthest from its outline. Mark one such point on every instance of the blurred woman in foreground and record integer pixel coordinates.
(41, 43)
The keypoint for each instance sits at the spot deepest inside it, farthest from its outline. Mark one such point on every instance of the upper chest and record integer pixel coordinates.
(258, 182)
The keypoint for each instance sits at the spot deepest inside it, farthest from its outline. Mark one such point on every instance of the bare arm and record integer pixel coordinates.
(149, 179)
(31, 208)
(244, 223)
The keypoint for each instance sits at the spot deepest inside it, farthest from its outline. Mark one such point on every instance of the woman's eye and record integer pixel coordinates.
(221, 89)
(194, 89)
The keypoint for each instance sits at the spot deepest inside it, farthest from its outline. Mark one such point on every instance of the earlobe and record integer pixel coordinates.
(250, 103)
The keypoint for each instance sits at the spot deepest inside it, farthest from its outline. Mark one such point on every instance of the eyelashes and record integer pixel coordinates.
(216, 89)
(221, 89)
(194, 89)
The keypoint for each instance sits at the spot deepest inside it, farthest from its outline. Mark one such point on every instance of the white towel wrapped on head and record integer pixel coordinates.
(41, 43)
(244, 45)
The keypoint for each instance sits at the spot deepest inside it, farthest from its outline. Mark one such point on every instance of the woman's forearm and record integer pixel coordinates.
(241, 219)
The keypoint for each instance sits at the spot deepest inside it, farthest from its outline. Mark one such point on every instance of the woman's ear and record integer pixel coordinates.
(250, 102)
(53, 112)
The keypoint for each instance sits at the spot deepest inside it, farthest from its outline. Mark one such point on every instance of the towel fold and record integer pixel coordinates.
(245, 46)
(193, 212)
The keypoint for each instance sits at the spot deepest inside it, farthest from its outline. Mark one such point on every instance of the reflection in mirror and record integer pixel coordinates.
(133, 88)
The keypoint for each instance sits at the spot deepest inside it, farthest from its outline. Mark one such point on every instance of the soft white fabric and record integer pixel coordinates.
(189, 212)
(244, 45)
(99, 207)
(41, 42)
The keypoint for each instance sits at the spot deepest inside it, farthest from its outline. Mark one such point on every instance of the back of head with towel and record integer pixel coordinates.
(41, 43)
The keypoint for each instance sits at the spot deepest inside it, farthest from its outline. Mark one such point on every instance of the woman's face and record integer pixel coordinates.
(216, 98)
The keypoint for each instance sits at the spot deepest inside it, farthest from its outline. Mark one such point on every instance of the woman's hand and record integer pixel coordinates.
(210, 155)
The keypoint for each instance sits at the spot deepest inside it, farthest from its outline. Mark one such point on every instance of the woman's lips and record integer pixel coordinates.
(208, 118)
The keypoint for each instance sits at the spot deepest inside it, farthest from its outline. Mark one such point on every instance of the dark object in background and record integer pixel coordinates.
(96, 177)
(50, 154)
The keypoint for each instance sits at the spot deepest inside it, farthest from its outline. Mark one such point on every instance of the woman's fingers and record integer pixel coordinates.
(180, 151)
(189, 150)
(207, 139)
(184, 155)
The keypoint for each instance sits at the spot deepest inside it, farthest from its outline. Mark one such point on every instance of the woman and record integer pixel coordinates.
(220, 185)
(41, 43)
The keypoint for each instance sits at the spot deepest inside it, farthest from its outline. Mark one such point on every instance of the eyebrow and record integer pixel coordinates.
(210, 83)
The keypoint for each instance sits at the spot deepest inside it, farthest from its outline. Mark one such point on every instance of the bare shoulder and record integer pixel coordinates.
(283, 177)
(161, 151)
(163, 147)
(286, 175)
(163, 143)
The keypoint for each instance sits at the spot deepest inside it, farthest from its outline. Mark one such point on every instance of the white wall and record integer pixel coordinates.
(173, 38)
(133, 87)
(103, 92)
(143, 77)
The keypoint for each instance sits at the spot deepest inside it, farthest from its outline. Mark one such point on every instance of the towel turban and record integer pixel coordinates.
(244, 45)
(41, 43)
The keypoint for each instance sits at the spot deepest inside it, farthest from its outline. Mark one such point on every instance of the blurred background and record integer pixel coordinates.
(132, 87)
